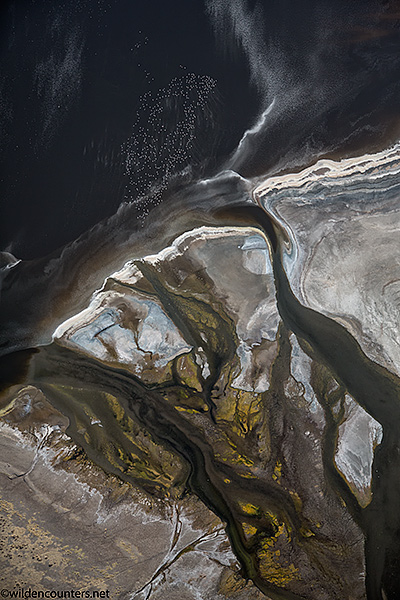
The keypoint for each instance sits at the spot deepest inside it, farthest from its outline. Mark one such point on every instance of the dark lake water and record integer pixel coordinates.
(100, 100)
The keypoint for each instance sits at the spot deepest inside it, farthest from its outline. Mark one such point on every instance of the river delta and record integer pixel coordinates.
(203, 395)
(199, 300)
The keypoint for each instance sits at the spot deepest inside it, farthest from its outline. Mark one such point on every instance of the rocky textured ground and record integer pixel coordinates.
(285, 448)
(66, 525)
(195, 430)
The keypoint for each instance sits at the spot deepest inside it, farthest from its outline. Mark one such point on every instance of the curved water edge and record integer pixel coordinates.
(375, 389)
(378, 392)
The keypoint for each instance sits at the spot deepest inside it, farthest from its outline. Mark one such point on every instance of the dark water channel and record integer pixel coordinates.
(378, 392)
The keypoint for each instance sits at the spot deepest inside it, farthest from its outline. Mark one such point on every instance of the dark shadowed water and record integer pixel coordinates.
(101, 99)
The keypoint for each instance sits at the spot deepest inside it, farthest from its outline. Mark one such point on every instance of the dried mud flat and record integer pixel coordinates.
(226, 403)
(66, 525)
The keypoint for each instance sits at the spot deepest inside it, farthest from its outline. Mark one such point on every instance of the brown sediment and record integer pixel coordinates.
(244, 454)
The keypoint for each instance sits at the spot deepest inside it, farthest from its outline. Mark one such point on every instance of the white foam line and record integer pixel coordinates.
(330, 170)
(257, 127)
(178, 246)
